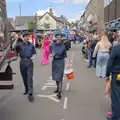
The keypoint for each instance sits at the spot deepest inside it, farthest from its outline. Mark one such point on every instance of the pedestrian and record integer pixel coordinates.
(74, 39)
(46, 50)
(102, 50)
(58, 64)
(27, 54)
(113, 67)
(32, 38)
(93, 43)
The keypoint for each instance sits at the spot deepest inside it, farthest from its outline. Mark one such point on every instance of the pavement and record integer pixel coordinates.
(83, 98)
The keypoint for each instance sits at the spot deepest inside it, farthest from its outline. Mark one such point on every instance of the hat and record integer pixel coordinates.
(58, 34)
(25, 34)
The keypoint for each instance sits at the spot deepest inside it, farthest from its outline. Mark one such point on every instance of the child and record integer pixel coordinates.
(107, 92)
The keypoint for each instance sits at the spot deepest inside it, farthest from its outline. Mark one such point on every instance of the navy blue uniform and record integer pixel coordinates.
(26, 51)
(58, 65)
(58, 61)
(114, 68)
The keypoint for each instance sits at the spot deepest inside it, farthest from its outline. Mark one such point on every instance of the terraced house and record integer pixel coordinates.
(112, 14)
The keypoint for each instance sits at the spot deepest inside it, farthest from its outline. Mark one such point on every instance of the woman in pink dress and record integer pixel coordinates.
(46, 50)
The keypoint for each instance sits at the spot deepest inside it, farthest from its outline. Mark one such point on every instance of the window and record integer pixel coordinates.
(47, 18)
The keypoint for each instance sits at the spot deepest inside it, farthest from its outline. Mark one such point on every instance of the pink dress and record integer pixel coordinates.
(45, 52)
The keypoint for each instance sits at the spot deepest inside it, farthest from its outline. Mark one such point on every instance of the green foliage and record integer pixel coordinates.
(46, 25)
(31, 26)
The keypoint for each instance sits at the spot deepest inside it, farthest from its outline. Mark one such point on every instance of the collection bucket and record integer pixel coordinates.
(69, 74)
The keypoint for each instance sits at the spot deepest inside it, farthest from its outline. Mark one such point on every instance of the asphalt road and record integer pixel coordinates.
(83, 98)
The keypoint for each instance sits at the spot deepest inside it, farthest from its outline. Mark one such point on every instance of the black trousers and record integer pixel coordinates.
(26, 68)
(115, 97)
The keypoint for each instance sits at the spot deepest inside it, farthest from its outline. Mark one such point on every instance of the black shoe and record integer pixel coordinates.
(25, 93)
(59, 95)
(30, 98)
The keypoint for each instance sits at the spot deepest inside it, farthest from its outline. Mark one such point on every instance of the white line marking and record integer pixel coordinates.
(65, 103)
(50, 84)
(50, 97)
(44, 87)
(50, 78)
(68, 85)
(72, 57)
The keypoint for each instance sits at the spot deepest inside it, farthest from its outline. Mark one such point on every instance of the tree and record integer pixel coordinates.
(31, 26)
(46, 26)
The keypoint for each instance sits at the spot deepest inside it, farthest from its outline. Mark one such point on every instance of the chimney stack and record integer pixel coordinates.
(50, 10)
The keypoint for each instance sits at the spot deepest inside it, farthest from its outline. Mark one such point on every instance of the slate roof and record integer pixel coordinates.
(21, 20)
(62, 19)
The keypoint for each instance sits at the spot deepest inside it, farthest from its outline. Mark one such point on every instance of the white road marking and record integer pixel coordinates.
(44, 87)
(72, 57)
(52, 83)
(67, 87)
(65, 103)
(50, 78)
(50, 97)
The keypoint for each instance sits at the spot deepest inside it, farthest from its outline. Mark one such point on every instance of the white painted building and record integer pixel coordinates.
(50, 20)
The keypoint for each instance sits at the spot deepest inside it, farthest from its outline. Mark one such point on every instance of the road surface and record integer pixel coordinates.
(83, 98)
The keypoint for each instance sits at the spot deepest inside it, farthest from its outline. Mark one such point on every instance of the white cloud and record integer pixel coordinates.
(42, 12)
(74, 18)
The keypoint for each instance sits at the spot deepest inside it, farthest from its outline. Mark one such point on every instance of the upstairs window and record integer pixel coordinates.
(47, 18)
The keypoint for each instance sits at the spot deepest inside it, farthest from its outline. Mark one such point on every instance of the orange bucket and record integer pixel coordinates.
(69, 74)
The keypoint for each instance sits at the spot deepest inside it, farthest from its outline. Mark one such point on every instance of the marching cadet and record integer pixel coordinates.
(27, 53)
(59, 54)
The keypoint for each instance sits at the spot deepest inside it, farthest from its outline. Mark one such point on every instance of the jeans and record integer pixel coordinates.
(102, 59)
(91, 61)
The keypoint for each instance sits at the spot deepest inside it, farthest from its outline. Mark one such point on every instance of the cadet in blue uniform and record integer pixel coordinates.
(113, 68)
(27, 53)
(59, 54)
